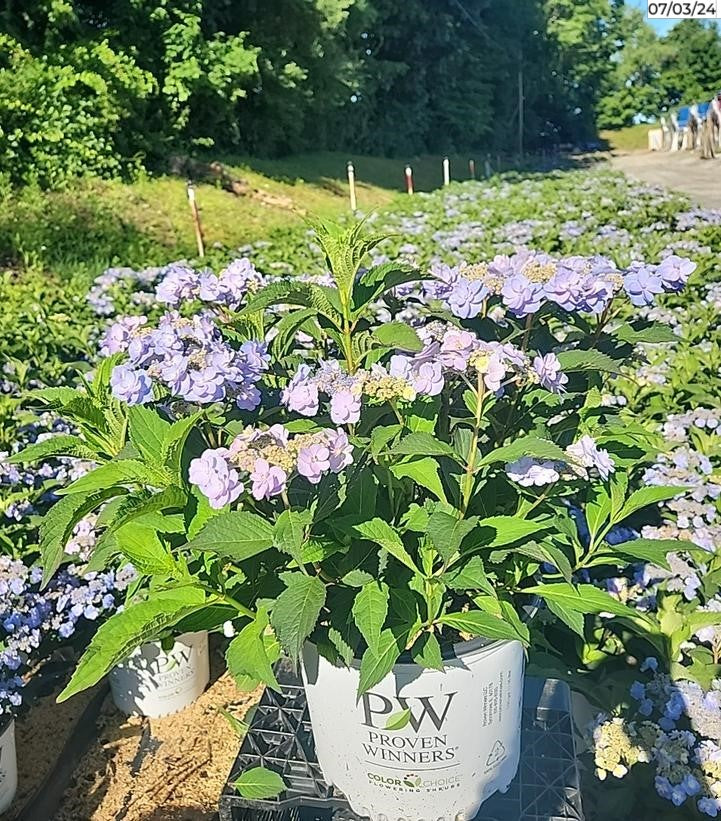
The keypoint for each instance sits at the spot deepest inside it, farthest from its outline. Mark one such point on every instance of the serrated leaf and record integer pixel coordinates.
(246, 655)
(118, 472)
(236, 535)
(447, 532)
(135, 506)
(423, 472)
(398, 336)
(427, 652)
(60, 445)
(381, 436)
(471, 576)
(378, 661)
(144, 549)
(571, 618)
(584, 598)
(289, 532)
(296, 611)
(423, 444)
(480, 623)
(370, 609)
(654, 551)
(645, 496)
(259, 783)
(147, 430)
(57, 525)
(576, 360)
(399, 720)
(652, 335)
(380, 532)
(125, 630)
(526, 446)
(495, 531)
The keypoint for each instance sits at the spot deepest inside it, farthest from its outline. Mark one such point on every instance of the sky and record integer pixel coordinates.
(661, 26)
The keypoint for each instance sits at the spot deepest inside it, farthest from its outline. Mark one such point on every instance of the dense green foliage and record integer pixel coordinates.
(655, 73)
(89, 87)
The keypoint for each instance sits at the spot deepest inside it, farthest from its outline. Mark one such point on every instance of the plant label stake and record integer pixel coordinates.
(472, 169)
(196, 220)
(446, 171)
(409, 179)
(351, 187)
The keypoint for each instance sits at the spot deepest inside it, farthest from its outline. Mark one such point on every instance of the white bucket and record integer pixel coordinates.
(151, 682)
(8, 766)
(462, 745)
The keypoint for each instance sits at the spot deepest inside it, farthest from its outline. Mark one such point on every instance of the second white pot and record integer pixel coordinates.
(461, 745)
(151, 682)
(8, 766)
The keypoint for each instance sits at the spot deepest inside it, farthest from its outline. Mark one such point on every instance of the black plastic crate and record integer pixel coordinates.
(280, 738)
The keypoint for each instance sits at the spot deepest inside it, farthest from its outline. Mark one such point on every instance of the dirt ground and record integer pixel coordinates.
(681, 171)
(165, 769)
(138, 769)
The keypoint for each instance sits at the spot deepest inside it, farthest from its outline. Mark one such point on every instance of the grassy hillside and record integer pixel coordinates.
(633, 138)
(98, 223)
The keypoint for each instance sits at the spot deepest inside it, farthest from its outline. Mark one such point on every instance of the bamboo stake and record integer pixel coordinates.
(196, 219)
(351, 186)
(409, 179)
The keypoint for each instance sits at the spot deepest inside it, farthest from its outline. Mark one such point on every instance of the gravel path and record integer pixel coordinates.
(682, 171)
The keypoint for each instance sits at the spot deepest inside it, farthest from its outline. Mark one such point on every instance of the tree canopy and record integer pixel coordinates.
(88, 86)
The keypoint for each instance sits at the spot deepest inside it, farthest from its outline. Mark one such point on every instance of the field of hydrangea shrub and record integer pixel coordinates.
(631, 268)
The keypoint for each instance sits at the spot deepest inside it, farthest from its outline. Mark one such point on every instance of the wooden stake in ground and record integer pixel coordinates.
(196, 220)
(472, 169)
(446, 171)
(351, 187)
(409, 179)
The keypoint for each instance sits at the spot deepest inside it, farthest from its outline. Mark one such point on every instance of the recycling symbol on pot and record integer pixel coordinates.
(497, 754)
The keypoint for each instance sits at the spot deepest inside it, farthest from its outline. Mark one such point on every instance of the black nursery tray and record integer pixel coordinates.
(280, 738)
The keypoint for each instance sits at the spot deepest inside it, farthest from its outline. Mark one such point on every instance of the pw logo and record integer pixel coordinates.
(423, 709)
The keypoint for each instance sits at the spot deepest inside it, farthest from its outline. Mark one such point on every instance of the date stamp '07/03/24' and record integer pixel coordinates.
(683, 9)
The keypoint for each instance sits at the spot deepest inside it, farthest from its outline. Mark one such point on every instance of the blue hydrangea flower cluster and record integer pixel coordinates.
(180, 283)
(527, 280)
(187, 358)
(679, 735)
(269, 459)
(30, 618)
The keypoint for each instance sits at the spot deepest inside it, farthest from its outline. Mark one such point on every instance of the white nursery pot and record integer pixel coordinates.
(151, 682)
(8, 766)
(462, 745)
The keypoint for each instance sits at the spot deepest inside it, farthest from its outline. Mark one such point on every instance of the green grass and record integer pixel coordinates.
(97, 223)
(633, 138)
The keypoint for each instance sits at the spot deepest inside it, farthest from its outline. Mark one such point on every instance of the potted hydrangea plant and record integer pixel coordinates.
(387, 502)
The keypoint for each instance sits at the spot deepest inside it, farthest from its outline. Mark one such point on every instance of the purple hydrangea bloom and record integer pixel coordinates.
(550, 375)
(340, 450)
(456, 348)
(301, 394)
(313, 462)
(118, 335)
(467, 297)
(642, 285)
(345, 407)
(268, 480)
(674, 272)
(215, 478)
(521, 296)
(131, 385)
(528, 472)
(587, 454)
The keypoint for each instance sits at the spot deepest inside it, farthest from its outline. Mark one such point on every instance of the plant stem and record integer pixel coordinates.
(473, 450)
